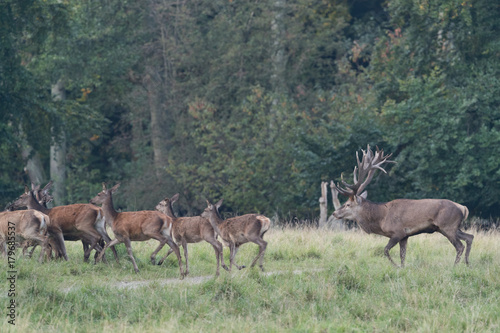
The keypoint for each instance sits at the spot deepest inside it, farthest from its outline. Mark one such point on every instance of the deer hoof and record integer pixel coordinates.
(225, 267)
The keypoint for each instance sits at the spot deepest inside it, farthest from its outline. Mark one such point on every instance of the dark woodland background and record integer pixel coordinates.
(255, 102)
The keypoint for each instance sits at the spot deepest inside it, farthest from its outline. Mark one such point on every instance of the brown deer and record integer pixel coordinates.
(71, 222)
(401, 218)
(190, 230)
(22, 225)
(136, 226)
(43, 196)
(239, 230)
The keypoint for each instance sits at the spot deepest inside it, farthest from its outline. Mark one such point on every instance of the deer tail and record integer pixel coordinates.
(43, 225)
(265, 223)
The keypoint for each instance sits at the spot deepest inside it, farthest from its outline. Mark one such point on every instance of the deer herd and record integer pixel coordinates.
(49, 228)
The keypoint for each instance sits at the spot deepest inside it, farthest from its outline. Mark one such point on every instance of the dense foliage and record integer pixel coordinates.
(256, 102)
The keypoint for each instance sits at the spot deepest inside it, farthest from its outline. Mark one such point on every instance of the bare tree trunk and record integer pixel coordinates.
(154, 89)
(58, 151)
(335, 196)
(279, 60)
(323, 205)
(334, 223)
(34, 167)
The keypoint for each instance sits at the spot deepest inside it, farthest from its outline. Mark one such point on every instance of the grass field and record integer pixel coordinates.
(315, 281)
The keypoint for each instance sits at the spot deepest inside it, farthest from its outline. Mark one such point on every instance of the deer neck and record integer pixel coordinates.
(216, 222)
(109, 210)
(169, 211)
(34, 204)
(370, 216)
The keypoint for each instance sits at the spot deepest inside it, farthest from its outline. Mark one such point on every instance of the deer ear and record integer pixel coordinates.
(364, 195)
(218, 204)
(26, 189)
(104, 188)
(114, 188)
(47, 188)
(174, 198)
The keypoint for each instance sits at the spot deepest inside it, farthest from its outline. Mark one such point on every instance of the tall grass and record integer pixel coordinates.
(315, 280)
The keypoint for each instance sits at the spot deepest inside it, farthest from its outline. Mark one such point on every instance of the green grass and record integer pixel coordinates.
(315, 281)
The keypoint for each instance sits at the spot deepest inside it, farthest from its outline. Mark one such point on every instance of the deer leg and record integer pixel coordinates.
(231, 255)
(165, 257)
(184, 246)
(86, 252)
(93, 244)
(60, 243)
(107, 239)
(262, 248)
(98, 249)
(459, 247)
(113, 242)
(219, 254)
(392, 242)
(402, 250)
(155, 252)
(217, 258)
(128, 245)
(44, 244)
(175, 248)
(236, 248)
(468, 238)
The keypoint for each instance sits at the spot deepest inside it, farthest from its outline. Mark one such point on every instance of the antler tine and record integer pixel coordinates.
(344, 191)
(48, 186)
(374, 162)
(364, 171)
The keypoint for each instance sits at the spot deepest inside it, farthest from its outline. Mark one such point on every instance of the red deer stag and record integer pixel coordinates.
(401, 218)
(136, 226)
(24, 225)
(71, 222)
(190, 230)
(239, 230)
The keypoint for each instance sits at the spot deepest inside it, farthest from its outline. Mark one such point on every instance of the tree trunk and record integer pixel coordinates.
(279, 61)
(34, 167)
(323, 205)
(58, 151)
(334, 223)
(154, 89)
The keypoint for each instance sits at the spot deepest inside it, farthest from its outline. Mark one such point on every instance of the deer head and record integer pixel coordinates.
(104, 194)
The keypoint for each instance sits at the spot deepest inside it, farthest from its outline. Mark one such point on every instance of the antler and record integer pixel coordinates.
(364, 171)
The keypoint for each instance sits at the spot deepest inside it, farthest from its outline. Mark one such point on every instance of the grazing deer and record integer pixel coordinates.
(24, 225)
(190, 230)
(136, 226)
(71, 222)
(239, 230)
(401, 218)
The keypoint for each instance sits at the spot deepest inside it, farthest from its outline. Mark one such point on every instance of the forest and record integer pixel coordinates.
(253, 101)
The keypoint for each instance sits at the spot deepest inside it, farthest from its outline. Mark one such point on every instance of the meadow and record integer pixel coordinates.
(315, 281)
